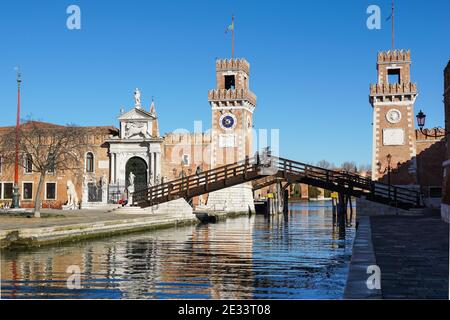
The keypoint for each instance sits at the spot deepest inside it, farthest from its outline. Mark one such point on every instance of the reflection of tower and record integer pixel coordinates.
(392, 99)
(232, 105)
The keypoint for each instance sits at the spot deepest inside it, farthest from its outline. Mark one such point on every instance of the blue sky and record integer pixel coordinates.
(311, 64)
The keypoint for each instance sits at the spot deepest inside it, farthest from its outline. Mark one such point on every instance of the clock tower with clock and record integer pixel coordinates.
(232, 106)
(392, 99)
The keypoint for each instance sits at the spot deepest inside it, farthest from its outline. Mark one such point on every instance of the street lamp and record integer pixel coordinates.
(15, 202)
(388, 169)
(421, 123)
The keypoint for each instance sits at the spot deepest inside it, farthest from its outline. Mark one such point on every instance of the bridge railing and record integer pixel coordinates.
(351, 180)
(180, 187)
(279, 167)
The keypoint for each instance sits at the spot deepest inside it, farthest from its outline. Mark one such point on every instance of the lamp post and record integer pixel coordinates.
(16, 202)
(421, 117)
(389, 170)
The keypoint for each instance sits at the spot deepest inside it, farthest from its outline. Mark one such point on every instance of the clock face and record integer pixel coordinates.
(228, 121)
(393, 116)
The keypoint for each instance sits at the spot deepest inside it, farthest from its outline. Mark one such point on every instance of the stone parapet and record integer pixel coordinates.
(231, 95)
(392, 56)
(232, 64)
(393, 89)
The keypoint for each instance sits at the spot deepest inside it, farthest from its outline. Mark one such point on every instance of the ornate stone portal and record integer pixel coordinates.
(136, 151)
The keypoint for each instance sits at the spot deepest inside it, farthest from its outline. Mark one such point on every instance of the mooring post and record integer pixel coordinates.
(286, 202)
(351, 211)
(342, 210)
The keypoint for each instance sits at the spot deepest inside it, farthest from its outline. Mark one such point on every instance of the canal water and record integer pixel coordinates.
(302, 255)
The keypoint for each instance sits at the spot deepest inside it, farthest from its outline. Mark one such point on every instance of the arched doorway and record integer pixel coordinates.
(139, 168)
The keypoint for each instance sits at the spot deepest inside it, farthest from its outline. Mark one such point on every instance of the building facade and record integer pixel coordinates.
(135, 153)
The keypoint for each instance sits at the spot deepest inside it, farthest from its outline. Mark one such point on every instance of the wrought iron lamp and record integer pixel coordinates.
(389, 170)
(421, 117)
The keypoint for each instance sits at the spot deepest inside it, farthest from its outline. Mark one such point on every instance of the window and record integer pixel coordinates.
(29, 163)
(89, 162)
(435, 192)
(27, 192)
(230, 82)
(185, 160)
(393, 76)
(7, 190)
(50, 191)
(51, 160)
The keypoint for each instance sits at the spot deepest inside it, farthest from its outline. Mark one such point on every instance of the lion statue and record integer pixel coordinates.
(72, 197)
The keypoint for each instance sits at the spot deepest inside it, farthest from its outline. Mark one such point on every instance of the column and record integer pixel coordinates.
(150, 170)
(158, 164)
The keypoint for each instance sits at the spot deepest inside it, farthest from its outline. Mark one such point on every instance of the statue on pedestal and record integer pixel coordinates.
(137, 98)
(72, 197)
(131, 182)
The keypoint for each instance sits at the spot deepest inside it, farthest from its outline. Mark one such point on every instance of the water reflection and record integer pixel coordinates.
(299, 255)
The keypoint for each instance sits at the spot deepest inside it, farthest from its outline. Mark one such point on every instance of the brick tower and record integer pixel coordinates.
(392, 99)
(232, 105)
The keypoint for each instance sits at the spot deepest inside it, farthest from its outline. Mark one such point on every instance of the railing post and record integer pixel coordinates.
(150, 197)
(187, 186)
(206, 181)
(225, 176)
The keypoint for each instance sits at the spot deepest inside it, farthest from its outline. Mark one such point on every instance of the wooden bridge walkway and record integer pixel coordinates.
(267, 170)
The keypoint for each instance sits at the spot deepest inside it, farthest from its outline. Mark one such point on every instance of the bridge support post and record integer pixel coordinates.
(342, 212)
(286, 202)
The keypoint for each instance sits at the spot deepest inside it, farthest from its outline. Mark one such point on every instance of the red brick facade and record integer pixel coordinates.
(415, 159)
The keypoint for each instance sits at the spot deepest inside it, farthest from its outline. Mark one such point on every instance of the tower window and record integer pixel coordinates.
(230, 82)
(393, 76)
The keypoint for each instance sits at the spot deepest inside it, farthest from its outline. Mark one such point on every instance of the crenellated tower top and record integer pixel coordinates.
(232, 83)
(233, 64)
(392, 56)
(394, 78)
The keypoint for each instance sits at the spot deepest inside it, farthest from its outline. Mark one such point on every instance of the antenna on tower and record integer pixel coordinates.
(393, 25)
(19, 75)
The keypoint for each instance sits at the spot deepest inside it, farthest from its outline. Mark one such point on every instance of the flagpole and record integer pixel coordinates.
(393, 26)
(16, 203)
(232, 38)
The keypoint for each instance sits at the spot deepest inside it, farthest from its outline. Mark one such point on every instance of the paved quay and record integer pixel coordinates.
(413, 255)
(58, 226)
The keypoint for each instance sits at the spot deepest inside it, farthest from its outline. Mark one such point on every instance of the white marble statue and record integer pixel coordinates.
(72, 197)
(137, 98)
(158, 179)
(131, 181)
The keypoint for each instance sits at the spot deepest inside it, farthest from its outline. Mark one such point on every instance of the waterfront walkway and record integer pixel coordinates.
(58, 226)
(413, 255)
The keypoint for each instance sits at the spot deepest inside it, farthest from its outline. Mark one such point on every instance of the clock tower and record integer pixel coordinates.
(392, 99)
(232, 106)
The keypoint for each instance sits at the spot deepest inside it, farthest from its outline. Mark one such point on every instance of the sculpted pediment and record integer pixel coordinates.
(136, 114)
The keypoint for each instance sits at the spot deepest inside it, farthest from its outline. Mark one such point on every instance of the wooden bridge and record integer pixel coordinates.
(265, 170)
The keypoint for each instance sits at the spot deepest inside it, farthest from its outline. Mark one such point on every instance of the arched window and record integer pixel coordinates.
(28, 163)
(89, 162)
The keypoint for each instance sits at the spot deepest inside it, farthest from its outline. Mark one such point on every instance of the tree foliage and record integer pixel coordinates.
(49, 147)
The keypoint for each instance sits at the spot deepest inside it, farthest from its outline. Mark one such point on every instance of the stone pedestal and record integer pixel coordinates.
(70, 207)
(236, 199)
